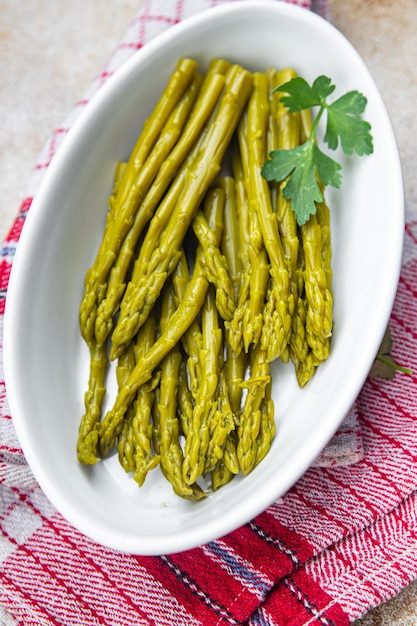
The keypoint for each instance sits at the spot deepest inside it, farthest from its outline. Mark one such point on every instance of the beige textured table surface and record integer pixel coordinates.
(52, 49)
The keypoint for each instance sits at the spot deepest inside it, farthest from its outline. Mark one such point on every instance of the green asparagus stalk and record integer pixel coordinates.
(317, 276)
(167, 251)
(251, 314)
(251, 418)
(192, 340)
(89, 429)
(95, 281)
(207, 99)
(279, 305)
(228, 465)
(284, 135)
(308, 348)
(185, 401)
(94, 290)
(235, 363)
(198, 439)
(178, 83)
(142, 428)
(171, 456)
(287, 127)
(267, 427)
(319, 297)
(135, 218)
(183, 317)
(125, 444)
(221, 423)
(241, 316)
(215, 267)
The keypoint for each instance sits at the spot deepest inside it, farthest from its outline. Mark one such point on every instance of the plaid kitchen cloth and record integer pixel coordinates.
(342, 540)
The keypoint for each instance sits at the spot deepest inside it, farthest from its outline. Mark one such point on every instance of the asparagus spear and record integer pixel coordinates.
(235, 363)
(318, 274)
(251, 420)
(183, 317)
(166, 253)
(88, 435)
(198, 439)
(241, 316)
(221, 423)
(94, 288)
(89, 429)
(215, 266)
(250, 313)
(206, 101)
(125, 444)
(267, 425)
(144, 459)
(184, 398)
(177, 84)
(134, 219)
(192, 339)
(287, 129)
(171, 456)
(284, 134)
(279, 305)
(228, 465)
(319, 297)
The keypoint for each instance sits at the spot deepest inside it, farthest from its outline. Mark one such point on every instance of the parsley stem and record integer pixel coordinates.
(394, 366)
(316, 123)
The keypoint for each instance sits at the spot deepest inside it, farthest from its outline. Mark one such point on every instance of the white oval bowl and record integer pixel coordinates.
(46, 361)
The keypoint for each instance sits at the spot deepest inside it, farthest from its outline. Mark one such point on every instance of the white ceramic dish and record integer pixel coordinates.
(46, 361)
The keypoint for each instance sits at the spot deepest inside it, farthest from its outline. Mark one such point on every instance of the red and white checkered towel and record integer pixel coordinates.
(342, 540)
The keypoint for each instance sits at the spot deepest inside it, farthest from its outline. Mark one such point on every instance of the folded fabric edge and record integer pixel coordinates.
(343, 582)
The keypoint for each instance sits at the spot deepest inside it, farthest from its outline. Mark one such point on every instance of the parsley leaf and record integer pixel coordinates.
(303, 166)
(343, 122)
(302, 96)
(302, 187)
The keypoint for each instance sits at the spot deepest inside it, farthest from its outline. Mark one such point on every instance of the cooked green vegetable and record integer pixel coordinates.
(205, 406)
(89, 429)
(170, 452)
(213, 263)
(141, 297)
(221, 425)
(95, 281)
(192, 340)
(183, 317)
(241, 316)
(126, 445)
(235, 363)
(132, 210)
(142, 427)
(279, 300)
(251, 311)
(215, 267)
(254, 432)
(284, 134)
(184, 148)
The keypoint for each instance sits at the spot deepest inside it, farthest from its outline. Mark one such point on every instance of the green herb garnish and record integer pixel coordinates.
(384, 365)
(306, 164)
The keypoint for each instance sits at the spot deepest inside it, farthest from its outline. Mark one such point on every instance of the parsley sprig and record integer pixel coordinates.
(304, 165)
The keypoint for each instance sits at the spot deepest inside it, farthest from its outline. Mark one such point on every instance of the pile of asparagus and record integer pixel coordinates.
(202, 278)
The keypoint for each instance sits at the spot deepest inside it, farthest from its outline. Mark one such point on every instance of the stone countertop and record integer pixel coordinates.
(52, 49)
